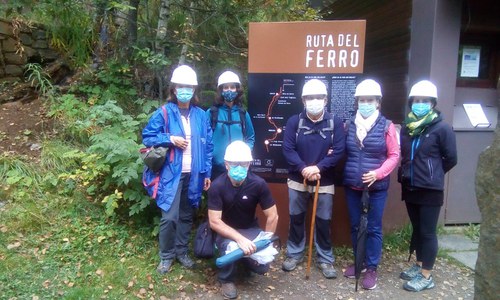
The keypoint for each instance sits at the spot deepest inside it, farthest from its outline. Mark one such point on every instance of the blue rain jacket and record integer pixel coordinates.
(201, 150)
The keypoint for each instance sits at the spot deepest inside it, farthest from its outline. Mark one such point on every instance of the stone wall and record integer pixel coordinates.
(21, 44)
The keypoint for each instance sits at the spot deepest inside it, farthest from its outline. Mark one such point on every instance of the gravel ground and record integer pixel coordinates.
(452, 282)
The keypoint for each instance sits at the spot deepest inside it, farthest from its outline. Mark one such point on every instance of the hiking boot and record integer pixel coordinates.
(370, 279)
(291, 263)
(228, 290)
(164, 266)
(350, 272)
(327, 270)
(411, 272)
(419, 283)
(186, 261)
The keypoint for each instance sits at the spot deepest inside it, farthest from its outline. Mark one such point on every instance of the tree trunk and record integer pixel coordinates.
(161, 31)
(132, 26)
(161, 34)
(187, 34)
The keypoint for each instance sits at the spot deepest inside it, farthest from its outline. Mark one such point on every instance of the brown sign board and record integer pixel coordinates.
(322, 47)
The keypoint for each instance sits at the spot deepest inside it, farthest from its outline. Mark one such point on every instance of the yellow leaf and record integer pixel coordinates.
(101, 238)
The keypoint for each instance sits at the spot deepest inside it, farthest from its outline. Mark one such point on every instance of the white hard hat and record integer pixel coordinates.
(238, 151)
(228, 77)
(423, 88)
(314, 87)
(184, 75)
(368, 87)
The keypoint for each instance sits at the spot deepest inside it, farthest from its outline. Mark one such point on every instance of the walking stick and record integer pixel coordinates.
(311, 232)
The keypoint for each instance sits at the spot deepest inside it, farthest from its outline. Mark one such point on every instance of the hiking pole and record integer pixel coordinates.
(311, 232)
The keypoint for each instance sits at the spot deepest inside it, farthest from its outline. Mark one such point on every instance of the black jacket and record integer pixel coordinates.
(427, 157)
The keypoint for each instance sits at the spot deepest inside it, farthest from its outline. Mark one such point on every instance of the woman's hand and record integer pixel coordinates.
(369, 177)
(179, 141)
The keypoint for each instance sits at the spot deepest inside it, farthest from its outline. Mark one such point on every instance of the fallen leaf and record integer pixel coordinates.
(13, 246)
(130, 284)
(142, 291)
(101, 238)
(46, 283)
(99, 272)
(151, 286)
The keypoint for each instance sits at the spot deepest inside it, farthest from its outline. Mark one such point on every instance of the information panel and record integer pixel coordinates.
(282, 57)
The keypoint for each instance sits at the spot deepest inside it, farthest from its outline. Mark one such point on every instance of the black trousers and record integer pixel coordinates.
(424, 220)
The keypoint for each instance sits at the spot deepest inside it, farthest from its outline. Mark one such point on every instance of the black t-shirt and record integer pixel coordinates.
(239, 214)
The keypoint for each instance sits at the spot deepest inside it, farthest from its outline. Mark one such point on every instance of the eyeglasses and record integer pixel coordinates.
(244, 164)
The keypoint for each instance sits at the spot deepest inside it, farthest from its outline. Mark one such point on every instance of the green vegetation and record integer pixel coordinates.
(398, 240)
(472, 231)
(78, 223)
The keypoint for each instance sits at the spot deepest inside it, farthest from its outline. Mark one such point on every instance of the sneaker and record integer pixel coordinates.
(291, 263)
(419, 283)
(370, 280)
(411, 272)
(327, 270)
(350, 272)
(164, 266)
(228, 290)
(186, 261)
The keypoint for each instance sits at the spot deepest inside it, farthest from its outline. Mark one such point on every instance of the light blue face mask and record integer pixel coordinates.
(229, 95)
(238, 173)
(421, 109)
(366, 109)
(184, 95)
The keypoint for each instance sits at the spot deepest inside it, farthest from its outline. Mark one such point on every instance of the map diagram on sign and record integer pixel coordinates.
(284, 95)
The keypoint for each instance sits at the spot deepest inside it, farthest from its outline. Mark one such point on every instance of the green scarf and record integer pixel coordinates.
(415, 125)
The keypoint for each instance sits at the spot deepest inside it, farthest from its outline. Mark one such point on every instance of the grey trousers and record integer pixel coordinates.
(176, 223)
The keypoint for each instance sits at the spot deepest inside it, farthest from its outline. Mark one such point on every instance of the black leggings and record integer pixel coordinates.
(424, 220)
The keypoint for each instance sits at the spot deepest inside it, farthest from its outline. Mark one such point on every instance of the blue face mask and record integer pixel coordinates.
(420, 109)
(366, 109)
(238, 173)
(229, 95)
(184, 95)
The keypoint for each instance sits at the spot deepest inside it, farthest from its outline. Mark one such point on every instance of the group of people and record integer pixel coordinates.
(212, 151)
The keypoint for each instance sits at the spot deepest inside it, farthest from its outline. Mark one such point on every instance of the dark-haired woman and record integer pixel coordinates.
(185, 175)
(229, 121)
(429, 151)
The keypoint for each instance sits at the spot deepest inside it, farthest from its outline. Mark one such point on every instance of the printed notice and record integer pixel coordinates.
(476, 115)
(470, 62)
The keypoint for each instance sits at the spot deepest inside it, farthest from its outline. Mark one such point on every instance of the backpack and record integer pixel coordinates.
(327, 130)
(151, 178)
(338, 170)
(214, 118)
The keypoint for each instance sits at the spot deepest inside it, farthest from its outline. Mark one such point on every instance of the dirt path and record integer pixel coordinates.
(22, 127)
(452, 282)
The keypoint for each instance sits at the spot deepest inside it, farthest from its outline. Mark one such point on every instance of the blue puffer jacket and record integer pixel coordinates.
(371, 156)
(201, 150)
